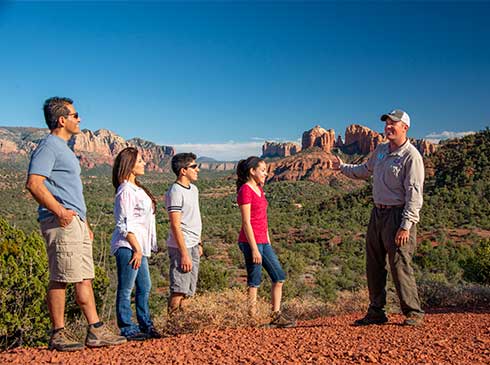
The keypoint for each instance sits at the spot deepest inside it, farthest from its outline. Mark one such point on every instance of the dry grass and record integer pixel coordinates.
(444, 295)
(213, 310)
(229, 309)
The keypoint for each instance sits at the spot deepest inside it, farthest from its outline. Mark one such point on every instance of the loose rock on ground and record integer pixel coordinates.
(445, 338)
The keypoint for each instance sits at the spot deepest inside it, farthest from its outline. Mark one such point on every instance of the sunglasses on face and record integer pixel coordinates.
(193, 166)
(74, 114)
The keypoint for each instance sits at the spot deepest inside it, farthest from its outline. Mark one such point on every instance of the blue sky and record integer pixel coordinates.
(219, 78)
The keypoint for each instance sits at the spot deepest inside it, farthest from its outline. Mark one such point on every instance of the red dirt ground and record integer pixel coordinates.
(445, 338)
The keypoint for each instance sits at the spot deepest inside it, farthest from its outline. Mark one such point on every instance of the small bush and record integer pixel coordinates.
(477, 267)
(440, 294)
(23, 283)
(213, 276)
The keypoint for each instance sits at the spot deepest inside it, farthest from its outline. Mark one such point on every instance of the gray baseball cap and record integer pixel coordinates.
(397, 115)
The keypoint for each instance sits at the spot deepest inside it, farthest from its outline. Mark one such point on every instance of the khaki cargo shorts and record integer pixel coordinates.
(69, 250)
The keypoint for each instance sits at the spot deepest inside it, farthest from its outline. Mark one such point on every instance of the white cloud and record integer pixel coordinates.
(228, 151)
(436, 137)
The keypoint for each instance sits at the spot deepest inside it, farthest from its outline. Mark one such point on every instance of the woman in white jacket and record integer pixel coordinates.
(133, 240)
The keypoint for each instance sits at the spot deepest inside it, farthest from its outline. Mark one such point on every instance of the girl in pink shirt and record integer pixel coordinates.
(254, 240)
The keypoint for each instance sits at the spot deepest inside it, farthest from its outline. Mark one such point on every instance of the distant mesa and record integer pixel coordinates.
(280, 149)
(217, 165)
(205, 159)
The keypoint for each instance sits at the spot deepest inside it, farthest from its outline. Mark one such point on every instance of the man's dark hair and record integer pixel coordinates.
(54, 108)
(182, 160)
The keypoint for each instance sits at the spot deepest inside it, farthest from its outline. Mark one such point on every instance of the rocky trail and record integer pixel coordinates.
(445, 338)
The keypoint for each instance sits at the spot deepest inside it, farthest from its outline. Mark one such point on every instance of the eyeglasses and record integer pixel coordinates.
(74, 114)
(193, 166)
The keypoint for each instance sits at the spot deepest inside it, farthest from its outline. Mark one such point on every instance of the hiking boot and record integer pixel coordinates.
(153, 333)
(101, 336)
(280, 320)
(174, 311)
(371, 318)
(62, 341)
(414, 319)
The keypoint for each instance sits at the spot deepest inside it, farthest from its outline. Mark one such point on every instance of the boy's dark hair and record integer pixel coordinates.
(54, 108)
(182, 160)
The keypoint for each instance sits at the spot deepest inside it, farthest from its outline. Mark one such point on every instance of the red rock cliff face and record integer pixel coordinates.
(280, 149)
(9, 147)
(318, 137)
(102, 146)
(361, 139)
(425, 147)
(97, 148)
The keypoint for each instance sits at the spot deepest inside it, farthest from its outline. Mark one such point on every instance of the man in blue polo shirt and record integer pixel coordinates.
(54, 181)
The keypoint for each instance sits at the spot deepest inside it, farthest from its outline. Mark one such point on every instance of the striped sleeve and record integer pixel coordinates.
(174, 200)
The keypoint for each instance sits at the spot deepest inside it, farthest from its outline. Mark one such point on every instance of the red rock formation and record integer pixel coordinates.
(279, 149)
(9, 147)
(314, 166)
(318, 137)
(361, 139)
(425, 147)
(339, 142)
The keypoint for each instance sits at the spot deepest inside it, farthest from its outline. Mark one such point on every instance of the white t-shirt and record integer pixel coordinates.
(186, 201)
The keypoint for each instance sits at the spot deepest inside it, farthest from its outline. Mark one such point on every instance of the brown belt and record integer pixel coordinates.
(382, 206)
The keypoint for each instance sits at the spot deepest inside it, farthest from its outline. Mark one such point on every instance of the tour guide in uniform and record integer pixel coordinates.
(398, 178)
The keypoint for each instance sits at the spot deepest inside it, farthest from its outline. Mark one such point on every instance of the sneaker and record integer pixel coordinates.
(371, 318)
(62, 341)
(414, 319)
(153, 333)
(137, 336)
(101, 336)
(280, 320)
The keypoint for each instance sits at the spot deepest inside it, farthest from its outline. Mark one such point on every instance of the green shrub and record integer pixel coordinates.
(477, 267)
(213, 276)
(23, 283)
(325, 287)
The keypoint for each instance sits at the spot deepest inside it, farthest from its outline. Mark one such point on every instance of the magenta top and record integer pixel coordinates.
(258, 213)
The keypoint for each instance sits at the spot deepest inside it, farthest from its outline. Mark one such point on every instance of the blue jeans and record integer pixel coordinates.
(127, 279)
(270, 263)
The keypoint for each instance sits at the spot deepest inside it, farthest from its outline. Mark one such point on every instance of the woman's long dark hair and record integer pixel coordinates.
(123, 165)
(243, 170)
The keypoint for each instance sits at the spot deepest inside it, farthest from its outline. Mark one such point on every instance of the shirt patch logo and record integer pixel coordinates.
(397, 161)
(380, 156)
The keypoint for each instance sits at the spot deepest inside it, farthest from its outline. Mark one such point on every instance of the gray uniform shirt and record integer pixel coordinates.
(186, 201)
(398, 179)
